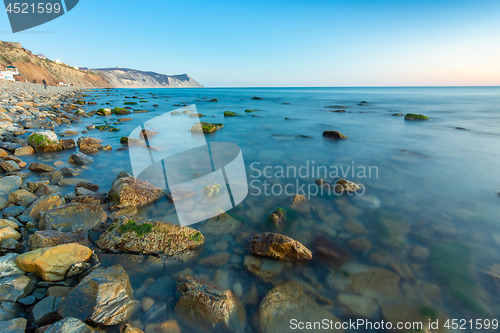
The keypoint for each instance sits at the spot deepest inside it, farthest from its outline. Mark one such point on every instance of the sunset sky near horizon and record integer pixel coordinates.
(281, 43)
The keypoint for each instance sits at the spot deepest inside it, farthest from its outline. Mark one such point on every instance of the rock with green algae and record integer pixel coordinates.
(211, 190)
(288, 301)
(230, 114)
(206, 307)
(120, 111)
(413, 116)
(276, 220)
(139, 235)
(104, 112)
(452, 263)
(44, 141)
(205, 127)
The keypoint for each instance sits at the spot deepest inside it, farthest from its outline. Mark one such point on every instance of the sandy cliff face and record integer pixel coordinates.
(35, 69)
(131, 78)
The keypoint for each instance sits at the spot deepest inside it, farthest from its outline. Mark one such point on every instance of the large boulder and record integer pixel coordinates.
(205, 307)
(48, 238)
(22, 198)
(45, 311)
(74, 216)
(130, 191)
(103, 297)
(40, 167)
(280, 247)
(286, 302)
(140, 235)
(44, 141)
(43, 205)
(52, 263)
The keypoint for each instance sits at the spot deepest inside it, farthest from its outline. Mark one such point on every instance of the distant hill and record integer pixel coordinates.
(132, 78)
(36, 68)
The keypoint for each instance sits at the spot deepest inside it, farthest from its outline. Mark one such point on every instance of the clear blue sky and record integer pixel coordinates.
(281, 42)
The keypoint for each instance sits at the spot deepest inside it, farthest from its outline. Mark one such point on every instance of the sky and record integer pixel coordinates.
(333, 43)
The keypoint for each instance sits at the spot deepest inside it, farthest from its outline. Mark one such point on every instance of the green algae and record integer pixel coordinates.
(130, 103)
(413, 116)
(139, 229)
(196, 237)
(230, 114)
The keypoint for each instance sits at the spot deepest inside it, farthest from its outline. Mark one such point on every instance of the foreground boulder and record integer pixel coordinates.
(44, 204)
(103, 297)
(74, 216)
(44, 141)
(139, 235)
(17, 325)
(15, 287)
(288, 301)
(130, 191)
(270, 244)
(52, 263)
(205, 307)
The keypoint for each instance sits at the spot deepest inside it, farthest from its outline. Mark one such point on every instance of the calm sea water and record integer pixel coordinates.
(441, 180)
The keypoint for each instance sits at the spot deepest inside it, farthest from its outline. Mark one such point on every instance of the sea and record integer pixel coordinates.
(427, 212)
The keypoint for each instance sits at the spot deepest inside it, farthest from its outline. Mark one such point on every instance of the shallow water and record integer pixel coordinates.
(440, 180)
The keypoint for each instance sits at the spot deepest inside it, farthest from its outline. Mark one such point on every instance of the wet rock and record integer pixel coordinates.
(139, 235)
(40, 167)
(339, 186)
(68, 144)
(129, 191)
(44, 141)
(279, 247)
(222, 224)
(277, 219)
(49, 238)
(9, 166)
(17, 325)
(285, 302)
(69, 172)
(22, 198)
(10, 310)
(8, 185)
(9, 223)
(300, 203)
(207, 308)
(10, 245)
(147, 134)
(27, 301)
(26, 150)
(266, 269)
(15, 287)
(52, 263)
(86, 142)
(8, 233)
(330, 253)
(43, 205)
(129, 329)
(8, 267)
(45, 311)
(103, 297)
(74, 216)
(12, 211)
(80, 159)
(70, 325)
(88, 186)
(3, 153)
(334, 135)
(360, 244)
(58, 291)
(358, 306)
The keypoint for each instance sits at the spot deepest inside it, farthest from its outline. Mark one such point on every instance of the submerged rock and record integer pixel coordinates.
(279, 247)
(74, 216)
(288, 301)
(276, 220)
(207, 308)
(330, 253)
(130, 191)
(334, 135)
(103, 297)
(203, 127)
(139, 235)
(222, 224)
(52, 263)
(266, 269)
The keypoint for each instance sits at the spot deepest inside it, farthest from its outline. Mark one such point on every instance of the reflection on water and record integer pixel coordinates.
(425, 235)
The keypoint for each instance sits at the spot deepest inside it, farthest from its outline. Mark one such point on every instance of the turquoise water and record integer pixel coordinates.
(441, 181)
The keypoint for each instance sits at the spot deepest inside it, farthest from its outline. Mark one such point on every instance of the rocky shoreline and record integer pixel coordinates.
(71, 252)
